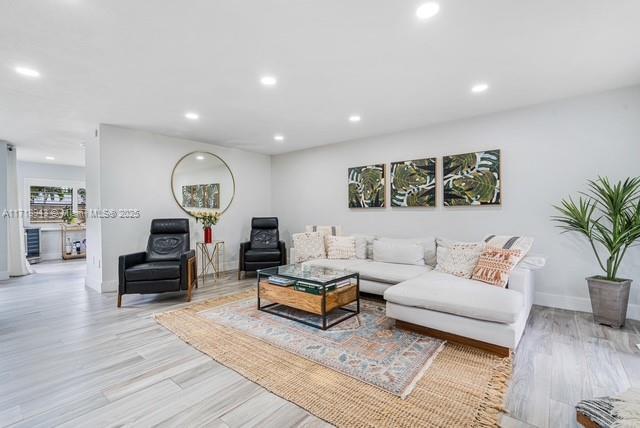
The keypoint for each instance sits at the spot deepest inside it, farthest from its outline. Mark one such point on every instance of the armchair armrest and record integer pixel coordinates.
(126, 261)
(244, 246)
(283, 252)
(184, 267)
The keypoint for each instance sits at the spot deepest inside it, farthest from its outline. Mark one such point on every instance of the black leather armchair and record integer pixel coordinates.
(168, 264)
(264, 249)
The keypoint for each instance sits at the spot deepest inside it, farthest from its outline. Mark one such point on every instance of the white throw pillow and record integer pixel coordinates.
(324, 231)
(460, 258)
(340, 247)
(428, 244)
(367, 241)
(506, 242)
(309, 246)
(398, 251)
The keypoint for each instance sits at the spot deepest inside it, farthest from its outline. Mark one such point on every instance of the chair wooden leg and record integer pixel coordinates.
(119, 300)
(239, 275)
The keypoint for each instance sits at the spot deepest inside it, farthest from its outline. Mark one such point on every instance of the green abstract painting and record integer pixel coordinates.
(413, 183)
(472, 179)
(201, 196)
(366, 186)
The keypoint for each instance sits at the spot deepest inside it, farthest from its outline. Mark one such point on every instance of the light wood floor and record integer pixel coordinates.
(68, 357)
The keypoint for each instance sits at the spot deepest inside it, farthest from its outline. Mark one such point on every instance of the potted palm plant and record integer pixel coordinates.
(608, 215)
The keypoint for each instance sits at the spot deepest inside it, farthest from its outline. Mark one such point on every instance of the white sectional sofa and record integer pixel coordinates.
(448, 306)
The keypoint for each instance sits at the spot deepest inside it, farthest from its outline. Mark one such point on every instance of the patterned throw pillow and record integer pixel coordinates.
(340, 247)
(522, 243)
(309, 246)
(495, 265)
(461, 258)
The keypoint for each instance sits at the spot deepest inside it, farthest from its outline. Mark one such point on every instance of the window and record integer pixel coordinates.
(82, 205)
(49, 204)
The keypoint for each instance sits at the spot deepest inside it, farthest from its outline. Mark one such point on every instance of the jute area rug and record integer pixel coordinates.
(463, 387)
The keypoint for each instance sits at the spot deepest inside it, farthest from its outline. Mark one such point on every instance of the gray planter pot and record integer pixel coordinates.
(609, 300)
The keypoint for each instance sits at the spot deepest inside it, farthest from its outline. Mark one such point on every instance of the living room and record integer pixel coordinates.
(320, 213)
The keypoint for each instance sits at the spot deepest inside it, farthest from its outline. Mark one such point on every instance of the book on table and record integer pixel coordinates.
(283, 282)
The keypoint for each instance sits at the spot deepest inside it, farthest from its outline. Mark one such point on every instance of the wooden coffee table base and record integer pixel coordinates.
(320, 305)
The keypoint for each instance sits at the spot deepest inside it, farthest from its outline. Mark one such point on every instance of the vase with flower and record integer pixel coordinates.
(207, 219)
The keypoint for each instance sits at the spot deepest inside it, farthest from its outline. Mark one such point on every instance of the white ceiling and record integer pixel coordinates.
(143, 64)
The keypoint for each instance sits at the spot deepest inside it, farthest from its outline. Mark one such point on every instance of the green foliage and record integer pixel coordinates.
(608, 215)
(366, 186)
(472, 179)
(413, 183)
(207, 219)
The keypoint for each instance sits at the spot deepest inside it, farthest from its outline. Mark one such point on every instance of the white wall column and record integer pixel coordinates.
(4, 221)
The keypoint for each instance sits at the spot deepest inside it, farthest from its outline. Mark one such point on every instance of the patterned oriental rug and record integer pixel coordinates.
(362, 372)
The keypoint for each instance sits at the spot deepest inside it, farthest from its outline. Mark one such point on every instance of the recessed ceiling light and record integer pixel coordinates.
(50, 158)
(354, 118)
(192, 116)
(278, 137)
(479, 87)
(200, 157)
(427, 10)
(268, 80)
(26, 71)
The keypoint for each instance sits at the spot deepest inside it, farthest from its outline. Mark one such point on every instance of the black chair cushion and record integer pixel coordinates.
(262, 255)
(153, 271)
(147, 287)
(164, 226)
(167, 247)
(264, 232)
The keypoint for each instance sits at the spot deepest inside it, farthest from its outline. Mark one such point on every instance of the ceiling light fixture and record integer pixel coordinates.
(354, 118)
(200, 157)
(278, 137)
(479, 87)
(268, 80)
(427, 10)
(27, 72)
(192, 116)
(50, 158)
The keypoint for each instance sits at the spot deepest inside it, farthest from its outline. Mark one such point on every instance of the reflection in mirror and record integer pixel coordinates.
(202, 182)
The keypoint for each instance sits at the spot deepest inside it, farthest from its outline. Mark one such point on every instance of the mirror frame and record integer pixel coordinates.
(173, 172)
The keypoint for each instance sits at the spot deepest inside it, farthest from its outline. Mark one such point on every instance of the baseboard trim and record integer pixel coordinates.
(573, 303)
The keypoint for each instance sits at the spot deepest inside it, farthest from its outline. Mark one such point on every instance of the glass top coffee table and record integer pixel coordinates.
(315, 290)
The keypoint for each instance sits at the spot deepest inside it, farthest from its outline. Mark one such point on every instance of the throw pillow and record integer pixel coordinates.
(461, 258)
(340, 247)
(309, 246)
(495, 265)
(428, 244)
(324, 231)
(397, 251)
(522, 243)
(368, 242)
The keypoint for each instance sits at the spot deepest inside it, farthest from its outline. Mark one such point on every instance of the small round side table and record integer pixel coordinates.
(211, 256)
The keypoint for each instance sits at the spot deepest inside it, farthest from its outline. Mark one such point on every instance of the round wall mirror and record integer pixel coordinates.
(202, 182)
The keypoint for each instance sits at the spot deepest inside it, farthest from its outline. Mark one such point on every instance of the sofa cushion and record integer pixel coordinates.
(460, 259)
(495, 265)
(522, 243)
(459, 296)
(309, 246)
(367, 241)
(152, 271)
(401, 252)
(390, 272)
(340, 247)
(262, 255)
(428, 243)
(344, 264)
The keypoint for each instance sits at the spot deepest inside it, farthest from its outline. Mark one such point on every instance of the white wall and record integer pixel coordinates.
(43, 174)
(135, 172)
(4, 249)
(548, 152)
